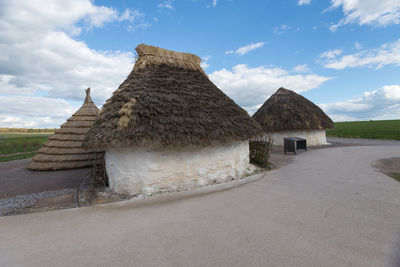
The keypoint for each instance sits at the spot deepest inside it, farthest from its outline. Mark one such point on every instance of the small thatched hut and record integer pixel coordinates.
(168, 127)
(287, 114)
(64, 149)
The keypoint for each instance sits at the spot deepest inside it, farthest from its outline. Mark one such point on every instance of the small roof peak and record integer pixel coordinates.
(88, 99)
(282, 90)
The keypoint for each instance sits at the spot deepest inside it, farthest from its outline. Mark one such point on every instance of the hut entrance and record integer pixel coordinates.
(293, 143)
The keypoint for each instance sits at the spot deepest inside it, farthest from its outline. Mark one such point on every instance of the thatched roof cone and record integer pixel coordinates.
(168, 100)
(64, 149)
(286, 110)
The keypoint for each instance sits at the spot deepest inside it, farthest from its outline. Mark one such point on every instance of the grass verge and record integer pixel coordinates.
(18, 156)
(395, 175)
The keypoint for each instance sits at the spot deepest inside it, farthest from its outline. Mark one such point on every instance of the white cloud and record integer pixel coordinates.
(26, 111)
(374, 58)
(204, 61)
(330, 54)
(367, 12)
(214, 3)
(40, 58)
(251, 87)
(358, 46)
(245, 49)
(59, 15)
(304, 2)
(166, 5)
(40, 55)
(382, 103)
(282, 29)
(136, 19)
(301, 68)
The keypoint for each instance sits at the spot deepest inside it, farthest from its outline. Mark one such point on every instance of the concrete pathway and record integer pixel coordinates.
(328, 207)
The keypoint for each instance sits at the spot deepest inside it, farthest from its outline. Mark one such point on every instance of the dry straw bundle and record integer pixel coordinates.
(168, 100)
(64, 149)
(155, 56)
(286, 110)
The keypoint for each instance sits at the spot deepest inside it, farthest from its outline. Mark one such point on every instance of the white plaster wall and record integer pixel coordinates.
(313, 137)
(135, 170)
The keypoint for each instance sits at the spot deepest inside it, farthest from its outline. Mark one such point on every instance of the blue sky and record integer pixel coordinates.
(344, 55)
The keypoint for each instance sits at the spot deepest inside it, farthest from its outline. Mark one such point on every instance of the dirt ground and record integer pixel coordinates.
(388, 165)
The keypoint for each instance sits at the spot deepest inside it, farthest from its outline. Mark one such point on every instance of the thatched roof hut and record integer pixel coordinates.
(287, 114)
(166, 106)
(167, 100)
(64, 149)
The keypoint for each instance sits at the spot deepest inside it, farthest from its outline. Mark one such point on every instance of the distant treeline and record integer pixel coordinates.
(25, 130)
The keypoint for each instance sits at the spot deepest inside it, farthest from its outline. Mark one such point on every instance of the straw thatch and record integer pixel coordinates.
(167, 100)
(286, 110)
(64, 149)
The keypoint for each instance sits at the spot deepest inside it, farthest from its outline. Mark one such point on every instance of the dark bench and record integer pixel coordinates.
(291, 144)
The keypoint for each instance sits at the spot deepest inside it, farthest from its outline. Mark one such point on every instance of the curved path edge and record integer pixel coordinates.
(329, 207)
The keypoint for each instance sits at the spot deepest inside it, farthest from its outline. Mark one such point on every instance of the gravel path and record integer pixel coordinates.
(17, 204)
(329, 207)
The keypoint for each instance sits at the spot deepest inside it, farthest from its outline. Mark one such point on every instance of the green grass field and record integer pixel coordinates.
(20, 145)
(389, 129)
(20, 135)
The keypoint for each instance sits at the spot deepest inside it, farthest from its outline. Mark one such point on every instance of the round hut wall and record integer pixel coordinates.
(138, 170)
(313, 137)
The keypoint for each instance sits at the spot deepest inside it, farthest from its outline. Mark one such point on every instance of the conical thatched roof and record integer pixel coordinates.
(64, 149)
(168, 100)
(286, 110)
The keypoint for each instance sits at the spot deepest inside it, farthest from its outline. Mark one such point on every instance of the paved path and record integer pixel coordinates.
(328, 207)
(15, 179)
